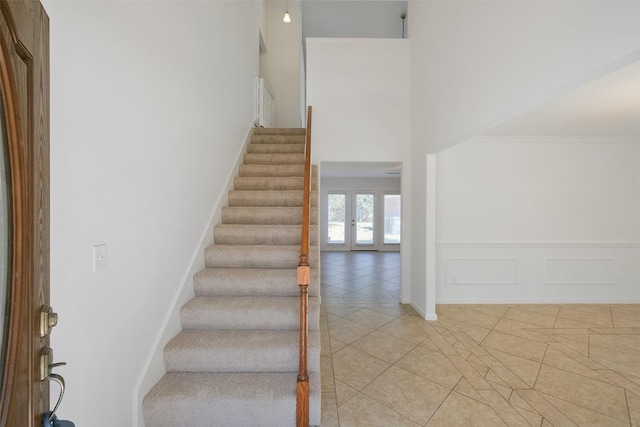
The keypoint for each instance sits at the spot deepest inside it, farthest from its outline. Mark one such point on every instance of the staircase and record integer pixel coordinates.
(235, 363)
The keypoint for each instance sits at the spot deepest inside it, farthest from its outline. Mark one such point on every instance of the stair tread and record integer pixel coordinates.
(274, 159)
(260, 234)
(278, 139)
(272, 170)
(252, 282)
(272, 183)
(276, 148)
(232, 350)
(270, 198)
(228, 399)
(247, 312)
(265, 215)
(279, 131)
(258, 256)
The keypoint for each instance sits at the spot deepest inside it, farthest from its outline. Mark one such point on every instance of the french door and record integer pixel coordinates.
(352, 220)
(364, 230)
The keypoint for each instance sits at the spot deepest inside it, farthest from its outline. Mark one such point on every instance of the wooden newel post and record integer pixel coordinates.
(302, 389)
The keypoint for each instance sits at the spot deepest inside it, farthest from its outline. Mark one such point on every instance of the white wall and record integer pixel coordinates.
(150, 105)
(477, 64)
(539, 220)
(280, 64)
(360, 93)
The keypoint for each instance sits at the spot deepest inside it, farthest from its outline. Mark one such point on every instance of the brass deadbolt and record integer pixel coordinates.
(48, 319)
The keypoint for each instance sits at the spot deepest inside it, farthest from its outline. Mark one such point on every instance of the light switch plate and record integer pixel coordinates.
(99, 257)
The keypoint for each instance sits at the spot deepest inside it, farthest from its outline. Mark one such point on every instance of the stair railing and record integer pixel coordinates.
(304, 278)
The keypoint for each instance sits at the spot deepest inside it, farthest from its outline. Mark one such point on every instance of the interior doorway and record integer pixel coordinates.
(360, 206)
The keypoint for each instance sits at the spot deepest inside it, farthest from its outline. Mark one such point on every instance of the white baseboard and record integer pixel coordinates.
(421, 312)
(541, 301)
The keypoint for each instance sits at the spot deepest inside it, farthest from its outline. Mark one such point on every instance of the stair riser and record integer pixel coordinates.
(274, 159)
(278, 139)
(279, 131)
(257, 235)
(266, 183)
(270, 198)
(242, 313)
(275, 149)
(272, 170)
(267, 216)
(205, 400)
(257, 256)
(228, 282)
(276, 170)
(234, 351)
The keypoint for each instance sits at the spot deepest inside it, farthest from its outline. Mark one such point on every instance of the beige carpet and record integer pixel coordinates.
(235, 362)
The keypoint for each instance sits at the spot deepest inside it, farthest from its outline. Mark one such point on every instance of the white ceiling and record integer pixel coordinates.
(357, 19)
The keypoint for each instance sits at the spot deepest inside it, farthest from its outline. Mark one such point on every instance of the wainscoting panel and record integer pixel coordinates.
(537, 273)
(481, 271)
(580, 271)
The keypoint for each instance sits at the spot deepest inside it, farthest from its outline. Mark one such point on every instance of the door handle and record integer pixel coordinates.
(46, 374)
(51, 416)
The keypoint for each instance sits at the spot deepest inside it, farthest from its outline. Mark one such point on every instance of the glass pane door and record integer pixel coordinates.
(337, 214)
(363, 221)
(391, 219)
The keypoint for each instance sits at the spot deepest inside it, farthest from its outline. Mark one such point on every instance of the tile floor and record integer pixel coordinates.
(478, 365)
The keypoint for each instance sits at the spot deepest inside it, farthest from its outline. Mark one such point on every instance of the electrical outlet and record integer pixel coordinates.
(99, 257)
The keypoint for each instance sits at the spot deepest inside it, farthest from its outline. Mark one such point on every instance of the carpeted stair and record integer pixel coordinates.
(235, 363)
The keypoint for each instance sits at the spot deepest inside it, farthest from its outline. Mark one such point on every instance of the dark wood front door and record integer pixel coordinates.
(24, 125)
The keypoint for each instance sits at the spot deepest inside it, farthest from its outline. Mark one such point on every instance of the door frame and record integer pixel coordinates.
(24, 76)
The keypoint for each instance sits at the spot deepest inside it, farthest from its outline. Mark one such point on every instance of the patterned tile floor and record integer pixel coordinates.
(478, 365)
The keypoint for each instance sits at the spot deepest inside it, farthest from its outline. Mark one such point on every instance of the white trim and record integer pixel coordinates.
(581, 300)
(425, 316)
(540, 245)
(431, 221)
(554, 139)
(405, 235)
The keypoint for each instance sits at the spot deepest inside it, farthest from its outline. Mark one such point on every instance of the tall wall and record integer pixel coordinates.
(539, 220)
(477, 64)
(359, 90)
(280, 64)
(150, 105)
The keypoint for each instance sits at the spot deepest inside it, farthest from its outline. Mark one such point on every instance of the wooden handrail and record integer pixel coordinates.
(304, 278)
